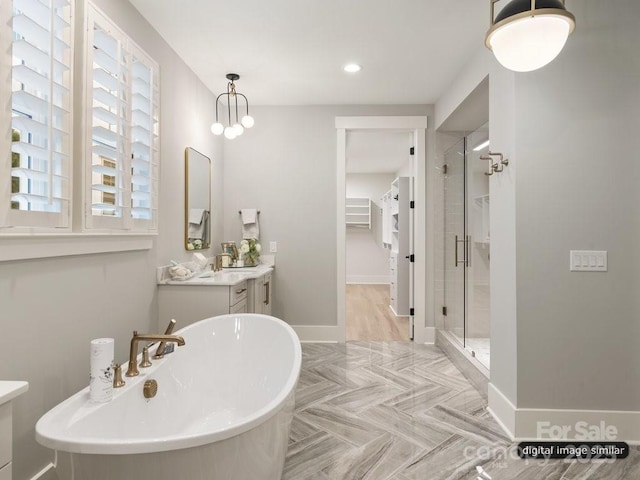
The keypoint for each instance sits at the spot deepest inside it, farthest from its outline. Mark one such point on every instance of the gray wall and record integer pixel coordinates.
(286, 167)
(52, 308)
(577, 123)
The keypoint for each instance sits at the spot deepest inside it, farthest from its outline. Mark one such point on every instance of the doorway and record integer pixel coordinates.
(417, 126)
(379, 235)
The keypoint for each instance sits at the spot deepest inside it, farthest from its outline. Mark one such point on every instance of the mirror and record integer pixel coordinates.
(197, 224)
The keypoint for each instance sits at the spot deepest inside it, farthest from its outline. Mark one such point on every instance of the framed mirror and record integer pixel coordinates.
(197, 214)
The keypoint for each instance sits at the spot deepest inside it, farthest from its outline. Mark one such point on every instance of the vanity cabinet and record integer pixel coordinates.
(264, 286)
(5, 441)
(8, 391)
(224, 293)
(191, 303)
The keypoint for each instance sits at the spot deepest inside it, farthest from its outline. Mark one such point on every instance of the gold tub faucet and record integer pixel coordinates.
(132, 370)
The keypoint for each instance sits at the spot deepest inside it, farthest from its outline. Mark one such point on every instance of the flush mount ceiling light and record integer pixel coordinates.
(528, 34)
(352, 68)
(235, 129)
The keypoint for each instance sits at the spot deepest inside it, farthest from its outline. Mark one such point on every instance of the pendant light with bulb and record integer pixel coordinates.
(528, 34)
(235, 129)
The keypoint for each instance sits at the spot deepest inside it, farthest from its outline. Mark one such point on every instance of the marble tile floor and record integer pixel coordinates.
(401, 411)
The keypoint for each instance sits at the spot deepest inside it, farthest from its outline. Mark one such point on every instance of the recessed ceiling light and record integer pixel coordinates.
(352, 68)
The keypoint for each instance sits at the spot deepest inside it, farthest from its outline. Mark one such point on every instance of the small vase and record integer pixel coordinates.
(251, 261)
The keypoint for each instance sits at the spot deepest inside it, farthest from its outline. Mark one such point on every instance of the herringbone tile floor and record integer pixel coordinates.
(401, 411)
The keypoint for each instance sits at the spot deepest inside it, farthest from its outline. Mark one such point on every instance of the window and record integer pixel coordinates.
(121, 171)
(41, 83)
(118, 160)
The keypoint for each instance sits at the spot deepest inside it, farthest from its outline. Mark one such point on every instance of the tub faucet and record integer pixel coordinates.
(132, 370)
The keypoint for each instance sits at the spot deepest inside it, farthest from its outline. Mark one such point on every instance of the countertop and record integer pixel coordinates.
(10, 390)
(227, 276)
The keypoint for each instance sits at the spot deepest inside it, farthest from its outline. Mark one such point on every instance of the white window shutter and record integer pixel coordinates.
(39, 194)
(122, 110)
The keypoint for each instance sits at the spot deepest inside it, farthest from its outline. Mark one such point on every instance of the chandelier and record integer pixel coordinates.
(235, 129)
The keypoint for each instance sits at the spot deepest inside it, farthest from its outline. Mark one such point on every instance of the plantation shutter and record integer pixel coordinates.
(41, 82)
(122, 109)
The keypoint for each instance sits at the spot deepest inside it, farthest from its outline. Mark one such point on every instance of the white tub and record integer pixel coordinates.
(223, 410)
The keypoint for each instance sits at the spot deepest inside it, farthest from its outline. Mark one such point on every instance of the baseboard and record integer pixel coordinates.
(316, 334)
(537, 424)
(47, 473)
(369, 279)
(502, 410)
(396, 313)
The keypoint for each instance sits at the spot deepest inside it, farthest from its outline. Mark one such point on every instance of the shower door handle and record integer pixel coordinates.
(455, 248)
(465, 241)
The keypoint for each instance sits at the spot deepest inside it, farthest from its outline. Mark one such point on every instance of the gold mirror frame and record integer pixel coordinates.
(197, 196)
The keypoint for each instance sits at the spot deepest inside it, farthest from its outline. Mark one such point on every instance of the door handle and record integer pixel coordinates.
(266, 293)
(465, 241)
(468, 251)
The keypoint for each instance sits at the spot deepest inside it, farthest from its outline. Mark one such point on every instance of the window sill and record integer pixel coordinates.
(47, 245)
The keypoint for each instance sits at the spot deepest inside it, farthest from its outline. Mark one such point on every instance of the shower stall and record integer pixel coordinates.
(466, 262)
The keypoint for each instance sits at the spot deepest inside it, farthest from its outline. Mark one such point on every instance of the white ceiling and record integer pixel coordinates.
(377, 151)
(291, 52)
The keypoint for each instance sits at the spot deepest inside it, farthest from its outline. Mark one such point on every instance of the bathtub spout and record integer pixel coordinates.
(132, 370)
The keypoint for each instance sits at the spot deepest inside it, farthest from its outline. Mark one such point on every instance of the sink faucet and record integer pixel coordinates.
(132, 370)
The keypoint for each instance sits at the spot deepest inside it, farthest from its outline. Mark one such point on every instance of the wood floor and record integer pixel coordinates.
(369, 317)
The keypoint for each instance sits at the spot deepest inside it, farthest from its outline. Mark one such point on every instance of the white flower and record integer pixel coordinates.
(244, 242)
(244, 248)
(258, 247)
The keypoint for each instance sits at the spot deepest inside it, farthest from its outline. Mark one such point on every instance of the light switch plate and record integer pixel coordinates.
(273, 247)
(588, 260)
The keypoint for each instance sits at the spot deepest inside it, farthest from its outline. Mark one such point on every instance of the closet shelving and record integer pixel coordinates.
(399, 214)
(386, 220)
(358, 212)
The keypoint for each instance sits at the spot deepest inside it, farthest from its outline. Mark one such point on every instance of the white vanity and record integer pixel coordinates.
(8, 391)
(246, 290)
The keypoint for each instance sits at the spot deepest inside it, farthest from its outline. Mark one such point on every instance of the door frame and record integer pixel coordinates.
(417, 125)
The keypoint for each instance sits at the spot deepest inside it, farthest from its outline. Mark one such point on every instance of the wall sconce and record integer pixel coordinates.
(495, 167)
(236, 129)
(528, 34)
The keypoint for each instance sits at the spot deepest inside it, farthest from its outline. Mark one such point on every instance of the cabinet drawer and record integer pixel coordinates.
(237, 293)
(240, 307)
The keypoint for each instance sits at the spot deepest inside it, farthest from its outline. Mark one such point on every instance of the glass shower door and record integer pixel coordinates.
(456, 242)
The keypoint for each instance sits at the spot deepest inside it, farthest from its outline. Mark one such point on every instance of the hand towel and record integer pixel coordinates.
(250, 229)
(249, 215)
(196, 223)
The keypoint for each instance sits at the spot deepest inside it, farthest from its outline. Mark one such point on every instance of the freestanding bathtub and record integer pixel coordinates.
(222, 411)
